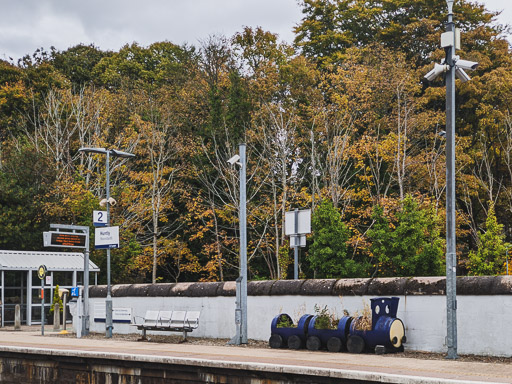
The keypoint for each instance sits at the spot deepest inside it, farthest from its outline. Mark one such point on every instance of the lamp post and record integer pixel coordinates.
(243, 242)
(107, 153)
(451, 255)
(454, 68)
(241, 310)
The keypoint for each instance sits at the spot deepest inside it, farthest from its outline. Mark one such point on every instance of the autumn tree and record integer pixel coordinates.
(341, 118)
(328, 27)
(153, 200)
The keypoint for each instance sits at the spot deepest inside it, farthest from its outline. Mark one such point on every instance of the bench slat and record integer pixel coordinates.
(192, 319)
(151, 318)
(164, 318)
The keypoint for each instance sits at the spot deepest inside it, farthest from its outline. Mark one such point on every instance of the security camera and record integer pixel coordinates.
(111, 201)
(442, 133)
(438, 70)
(466, 64)
(234, 160)
(461, 75)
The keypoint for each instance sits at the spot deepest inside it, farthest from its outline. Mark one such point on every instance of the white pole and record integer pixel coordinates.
(243, 243)
(108, 301)
(451, 248)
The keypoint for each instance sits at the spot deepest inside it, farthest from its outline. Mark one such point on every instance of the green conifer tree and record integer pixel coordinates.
(328, 254)
(489, 259)
(409, 245)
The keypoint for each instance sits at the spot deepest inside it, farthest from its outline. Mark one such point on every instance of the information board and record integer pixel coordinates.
(64, 239)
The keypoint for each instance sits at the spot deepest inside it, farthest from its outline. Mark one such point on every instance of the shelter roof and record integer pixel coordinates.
(54, 261)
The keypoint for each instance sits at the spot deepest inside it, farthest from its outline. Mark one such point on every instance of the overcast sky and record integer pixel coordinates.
(26, 25)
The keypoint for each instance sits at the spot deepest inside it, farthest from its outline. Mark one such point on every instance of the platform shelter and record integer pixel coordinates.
(20, 284)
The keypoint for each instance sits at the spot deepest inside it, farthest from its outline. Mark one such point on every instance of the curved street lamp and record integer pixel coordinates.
(108, 301)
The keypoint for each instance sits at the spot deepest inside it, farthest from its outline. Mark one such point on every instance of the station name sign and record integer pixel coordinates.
(64, 239)
(106, 237)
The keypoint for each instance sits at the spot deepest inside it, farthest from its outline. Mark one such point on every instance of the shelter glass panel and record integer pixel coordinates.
(36, 314)
(35, 279)
(15, 293)
(36, 295)
(63, 278)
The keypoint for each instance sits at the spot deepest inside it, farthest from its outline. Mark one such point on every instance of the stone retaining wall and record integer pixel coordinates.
(401, 286)
(484, 307)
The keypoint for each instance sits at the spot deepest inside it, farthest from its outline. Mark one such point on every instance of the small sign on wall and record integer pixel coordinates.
(49, 280)
(119, 314)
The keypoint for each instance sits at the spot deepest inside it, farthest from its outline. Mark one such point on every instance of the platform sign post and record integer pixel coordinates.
(41, 273)
(297, 224)
(73, 236)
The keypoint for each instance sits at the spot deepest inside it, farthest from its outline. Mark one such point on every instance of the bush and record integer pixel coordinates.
(56, 299)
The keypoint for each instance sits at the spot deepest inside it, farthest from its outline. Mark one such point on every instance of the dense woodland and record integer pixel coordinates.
(340, 121)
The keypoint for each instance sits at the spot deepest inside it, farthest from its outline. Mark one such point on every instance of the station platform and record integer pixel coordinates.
(327, 367)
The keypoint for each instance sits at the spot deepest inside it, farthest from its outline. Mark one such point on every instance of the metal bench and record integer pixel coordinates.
(168, 321)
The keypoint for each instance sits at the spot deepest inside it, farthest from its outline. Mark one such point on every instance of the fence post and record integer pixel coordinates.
(17, 318)
(56, 317)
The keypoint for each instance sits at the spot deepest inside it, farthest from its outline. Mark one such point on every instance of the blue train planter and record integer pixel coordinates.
(333, 339)
(386, 334)
(293, 337)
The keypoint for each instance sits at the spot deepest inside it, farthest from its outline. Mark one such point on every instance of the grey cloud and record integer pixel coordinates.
(111, 24)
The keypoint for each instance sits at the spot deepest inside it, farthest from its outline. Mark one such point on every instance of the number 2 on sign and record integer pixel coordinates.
(99, 218)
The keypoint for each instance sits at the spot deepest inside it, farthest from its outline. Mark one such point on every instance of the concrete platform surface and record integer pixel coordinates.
(365, 367)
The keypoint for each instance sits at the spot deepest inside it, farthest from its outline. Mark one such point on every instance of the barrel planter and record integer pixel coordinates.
(387, 332)
(333, 339)
(293, 337)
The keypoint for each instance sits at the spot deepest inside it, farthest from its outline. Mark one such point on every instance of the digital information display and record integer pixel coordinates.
(64, 239)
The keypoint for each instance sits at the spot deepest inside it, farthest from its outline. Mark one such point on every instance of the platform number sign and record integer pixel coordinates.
(99, 218)
(41, 272)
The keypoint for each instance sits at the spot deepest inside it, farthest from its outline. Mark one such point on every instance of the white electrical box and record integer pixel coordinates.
(447, 39)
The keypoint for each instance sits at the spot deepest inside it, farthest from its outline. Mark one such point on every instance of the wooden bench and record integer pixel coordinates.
(168, 321)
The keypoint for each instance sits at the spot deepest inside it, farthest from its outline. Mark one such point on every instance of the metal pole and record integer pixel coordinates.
(29, 297)
(243, 243)
(42, 306)
(85, 319)
(108, 301)
(3, 298)
(296, 246)
(451, 255)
